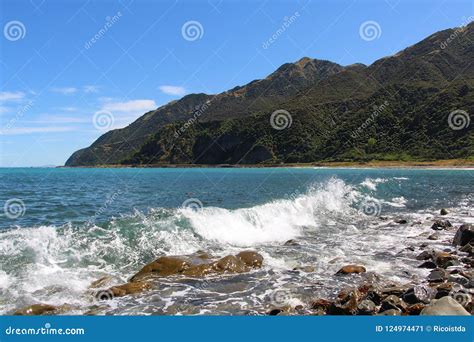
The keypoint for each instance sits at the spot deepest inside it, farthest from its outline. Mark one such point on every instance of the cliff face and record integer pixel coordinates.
(396, 108)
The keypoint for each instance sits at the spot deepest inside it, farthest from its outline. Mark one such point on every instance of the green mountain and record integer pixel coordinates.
(414, 105)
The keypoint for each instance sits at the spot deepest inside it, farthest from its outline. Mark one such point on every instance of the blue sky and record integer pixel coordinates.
(55, 77)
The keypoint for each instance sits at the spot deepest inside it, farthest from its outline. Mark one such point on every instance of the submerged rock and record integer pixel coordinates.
(349, 269)
(37, 309)
(464, 235)
(445, 306)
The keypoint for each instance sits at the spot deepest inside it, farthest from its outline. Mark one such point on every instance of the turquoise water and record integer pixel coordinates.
(61, 229)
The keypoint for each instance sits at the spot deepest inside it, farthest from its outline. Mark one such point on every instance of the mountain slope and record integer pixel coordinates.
(397, 108)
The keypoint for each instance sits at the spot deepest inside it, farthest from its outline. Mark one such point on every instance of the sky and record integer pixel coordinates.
(72, 70)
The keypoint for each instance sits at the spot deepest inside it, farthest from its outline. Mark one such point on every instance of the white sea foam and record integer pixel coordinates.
(371, 183)
(277, 221)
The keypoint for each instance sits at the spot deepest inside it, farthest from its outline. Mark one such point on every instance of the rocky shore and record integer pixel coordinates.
(447, 290)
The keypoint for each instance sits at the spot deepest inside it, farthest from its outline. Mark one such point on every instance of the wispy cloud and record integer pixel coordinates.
(11, 96)
(173, 90)
(130, 106)
(64, 90)
(90, 89)
(32, 130)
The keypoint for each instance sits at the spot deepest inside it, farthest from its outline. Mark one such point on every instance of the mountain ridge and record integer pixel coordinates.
(322, 97)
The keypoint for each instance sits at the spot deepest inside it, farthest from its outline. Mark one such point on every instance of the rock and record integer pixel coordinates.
(366, 307)
(391, 312)
(393, 290)
(467, 248)
(443, 290)
(419, 293)
(445, 306)
(425, 255)
(427, 264)
(434, 236)
(415, 309)
(127, 289)
(442, 259)
(401, 221)
(275, 312)
(349, 269)
(199, 265)
(392, 302)
(443, 212)
(437, 275)
(291, 243)
(320, 304)
(441, 225)
(37, 309)
(163, 266)
(464, 235)
(251, 258)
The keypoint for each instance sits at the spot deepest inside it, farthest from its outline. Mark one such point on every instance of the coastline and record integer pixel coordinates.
(375, 164)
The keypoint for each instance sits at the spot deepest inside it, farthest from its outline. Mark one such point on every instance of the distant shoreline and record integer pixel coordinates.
(437, 164)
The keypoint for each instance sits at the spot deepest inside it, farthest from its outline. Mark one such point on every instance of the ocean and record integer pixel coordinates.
(61, 229)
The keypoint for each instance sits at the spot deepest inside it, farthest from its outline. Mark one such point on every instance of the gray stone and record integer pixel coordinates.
(445, 306)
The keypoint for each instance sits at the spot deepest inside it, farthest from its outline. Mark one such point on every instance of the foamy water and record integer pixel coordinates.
(330, 219)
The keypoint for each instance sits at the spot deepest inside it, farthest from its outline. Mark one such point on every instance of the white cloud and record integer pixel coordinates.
(90, 89)
(130, 106)
(173, 90)
(11, 96)
(31, 130)
(64, 90)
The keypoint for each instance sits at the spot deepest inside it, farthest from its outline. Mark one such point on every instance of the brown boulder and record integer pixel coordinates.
(129, 288)
(163, 266)
(349, 269)
(37, 309)
(464, 235)
(251, 258)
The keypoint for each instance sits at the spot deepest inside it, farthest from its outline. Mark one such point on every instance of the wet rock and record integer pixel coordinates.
(101, 282)
(366, 307)
(401, 221)
(346, 303)
(445, 306)
(349, 269)
(393, 290)
(392, 302)
(128, 289)
(251, 258)
(275, 312)
(391, 312)
(442, 259)
(437, 275)
(291, 242)
(418, 294)
(163, 266)
(441, 225)
(320, 304)
(443, 212)
(458, 279)
(467, 248)
(425, 255)
(464, 235)
(428, 264)
(443, 290)
(434, 236)
(415, 309)
(37, 309)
